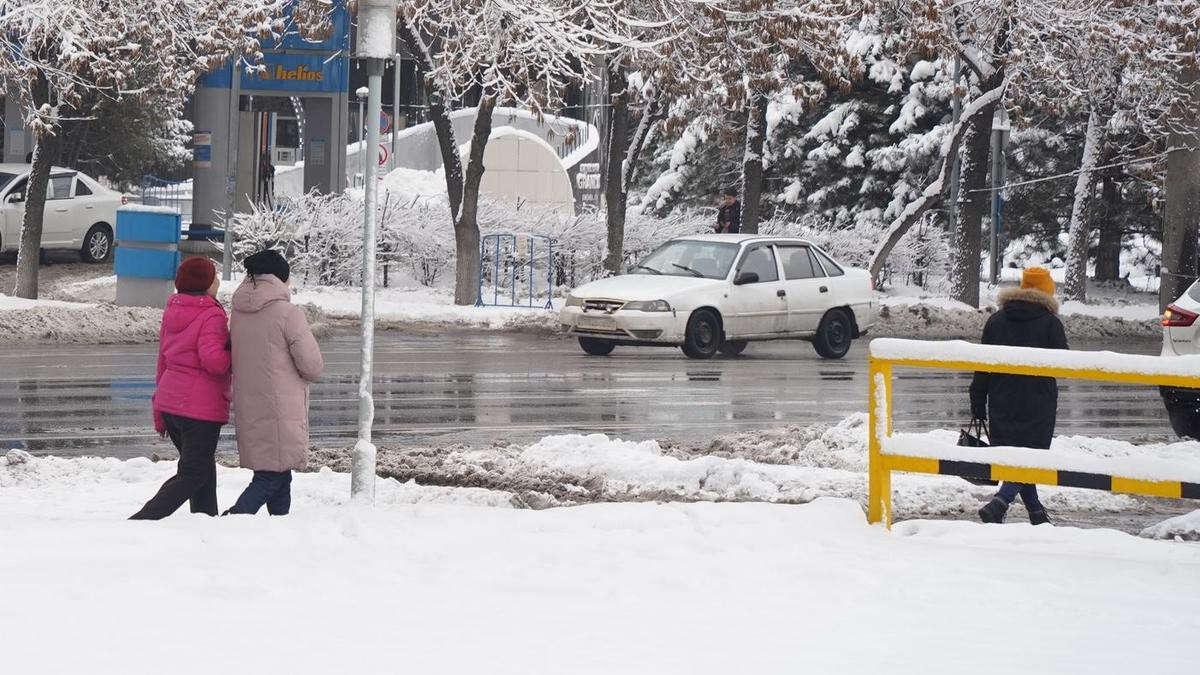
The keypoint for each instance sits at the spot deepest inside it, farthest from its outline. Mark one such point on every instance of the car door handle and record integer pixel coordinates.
(781, 293)
(824, 289)
(62, 210)
(89, 206)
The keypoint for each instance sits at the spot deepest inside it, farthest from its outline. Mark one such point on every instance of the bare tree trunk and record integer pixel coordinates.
(1108, 255)
(752, 162)
(1078, 236)
(618, 146)
(1183, 198)
(45, 149)
(29, 254)
(972, 206)
(466, 226)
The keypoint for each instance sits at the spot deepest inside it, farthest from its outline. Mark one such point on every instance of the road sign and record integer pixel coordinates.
(385, 122)
(384, 153)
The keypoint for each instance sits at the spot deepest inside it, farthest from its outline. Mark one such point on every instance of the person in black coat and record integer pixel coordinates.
(1021, 409)
(729, 216)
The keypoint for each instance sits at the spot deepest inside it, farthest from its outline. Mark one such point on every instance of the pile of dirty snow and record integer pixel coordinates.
(51, 321)
(787, 465)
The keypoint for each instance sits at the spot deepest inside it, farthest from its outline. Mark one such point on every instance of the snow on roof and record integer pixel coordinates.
(1109, 362)
(741, 238)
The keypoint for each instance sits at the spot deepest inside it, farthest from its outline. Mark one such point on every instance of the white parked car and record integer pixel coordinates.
(715, 293)
(1181, 336)
(80, 213)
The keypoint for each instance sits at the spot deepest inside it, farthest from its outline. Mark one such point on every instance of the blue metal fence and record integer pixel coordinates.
(503, 262)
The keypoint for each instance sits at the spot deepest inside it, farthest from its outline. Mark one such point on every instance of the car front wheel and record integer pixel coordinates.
(97, 245)
(596, 347)
(834, 335)
(703, 335)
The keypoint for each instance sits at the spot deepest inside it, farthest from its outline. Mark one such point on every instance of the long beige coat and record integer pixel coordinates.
(275, 357)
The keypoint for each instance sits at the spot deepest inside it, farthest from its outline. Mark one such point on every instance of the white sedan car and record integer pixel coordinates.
(80, 213)
(715, 293)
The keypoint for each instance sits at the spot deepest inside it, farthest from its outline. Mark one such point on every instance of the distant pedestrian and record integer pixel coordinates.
(275, 357)
(1021, 409)
(191, 395)
(729, 215)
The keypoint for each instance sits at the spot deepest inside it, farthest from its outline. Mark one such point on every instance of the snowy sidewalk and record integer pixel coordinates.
(439, 580)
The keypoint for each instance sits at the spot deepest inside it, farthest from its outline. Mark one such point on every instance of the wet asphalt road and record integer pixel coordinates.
(474, 388)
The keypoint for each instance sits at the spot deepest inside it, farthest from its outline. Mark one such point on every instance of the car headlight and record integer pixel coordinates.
(573, 301)
(648, 306)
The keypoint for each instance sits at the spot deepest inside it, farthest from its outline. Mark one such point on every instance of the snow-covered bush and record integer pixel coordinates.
(322, 236)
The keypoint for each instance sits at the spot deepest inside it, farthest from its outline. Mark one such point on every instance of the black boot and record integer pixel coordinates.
(993, 511)
(1038, 516)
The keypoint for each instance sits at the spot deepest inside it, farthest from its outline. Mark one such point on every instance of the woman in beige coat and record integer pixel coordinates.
(275, 357)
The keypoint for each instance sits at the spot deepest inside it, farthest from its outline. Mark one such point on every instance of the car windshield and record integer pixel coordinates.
(5, 179)
(688, 258)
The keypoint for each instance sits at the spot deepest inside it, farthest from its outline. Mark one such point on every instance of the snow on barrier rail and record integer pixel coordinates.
(900, 452)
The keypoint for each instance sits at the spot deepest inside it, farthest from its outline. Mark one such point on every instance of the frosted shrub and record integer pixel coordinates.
(322, 236)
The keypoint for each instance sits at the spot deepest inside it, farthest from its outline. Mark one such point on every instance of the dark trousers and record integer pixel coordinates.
(273, 488)
(195, 479)
(1029, 496)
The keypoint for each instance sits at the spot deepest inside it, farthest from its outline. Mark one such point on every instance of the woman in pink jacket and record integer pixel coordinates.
(191, 396)
(275, 357)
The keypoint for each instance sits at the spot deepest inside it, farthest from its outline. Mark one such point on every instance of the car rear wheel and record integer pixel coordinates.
(834, 335)
(596, 347)
(703, 336)
(97, 245)
(732, 347)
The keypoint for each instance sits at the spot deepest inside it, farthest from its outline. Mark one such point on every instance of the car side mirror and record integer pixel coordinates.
(15, 198)
(745, 278)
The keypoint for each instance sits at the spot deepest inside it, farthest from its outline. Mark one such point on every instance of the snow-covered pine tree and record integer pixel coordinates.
(754, 51)
(857, 160)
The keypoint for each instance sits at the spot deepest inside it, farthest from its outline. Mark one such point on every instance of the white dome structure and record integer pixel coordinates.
(520, 165)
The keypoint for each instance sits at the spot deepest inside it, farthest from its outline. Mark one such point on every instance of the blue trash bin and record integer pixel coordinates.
(147, 254)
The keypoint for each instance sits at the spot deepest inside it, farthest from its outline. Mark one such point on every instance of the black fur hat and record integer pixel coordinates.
(269, 261)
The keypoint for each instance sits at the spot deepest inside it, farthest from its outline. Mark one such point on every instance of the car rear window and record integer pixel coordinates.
(797, 263)
(831, 268)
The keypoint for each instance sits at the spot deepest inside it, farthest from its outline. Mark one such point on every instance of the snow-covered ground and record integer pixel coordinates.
(83, 312)
(450, 581)
(421, 305)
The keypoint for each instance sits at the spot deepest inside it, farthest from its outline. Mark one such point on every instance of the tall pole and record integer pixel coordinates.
(232, 148)
(363, 93)
(956, 109)
(377, 30)
(395, 104)
(1000, 129)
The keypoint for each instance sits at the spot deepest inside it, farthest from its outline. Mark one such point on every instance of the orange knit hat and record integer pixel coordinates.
(1037, 278)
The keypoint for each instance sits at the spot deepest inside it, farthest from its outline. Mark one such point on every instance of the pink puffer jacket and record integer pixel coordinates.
(193, 361)
(274, 358)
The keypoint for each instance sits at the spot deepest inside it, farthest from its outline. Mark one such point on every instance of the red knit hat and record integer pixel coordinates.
(195, 275)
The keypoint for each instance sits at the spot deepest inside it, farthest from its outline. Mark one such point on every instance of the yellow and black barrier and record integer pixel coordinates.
(886, 353)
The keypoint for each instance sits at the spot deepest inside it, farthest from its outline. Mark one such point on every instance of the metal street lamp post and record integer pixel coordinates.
(362, 93)
(376, 42)
(1000, 135)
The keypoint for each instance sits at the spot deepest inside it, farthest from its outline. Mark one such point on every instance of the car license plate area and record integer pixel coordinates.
(596, 322)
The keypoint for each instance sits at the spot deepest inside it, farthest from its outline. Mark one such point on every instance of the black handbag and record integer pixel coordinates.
(975, 435)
